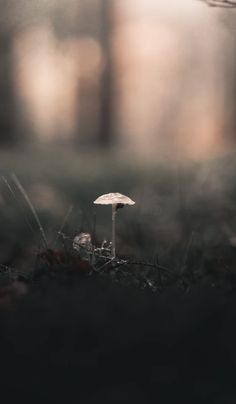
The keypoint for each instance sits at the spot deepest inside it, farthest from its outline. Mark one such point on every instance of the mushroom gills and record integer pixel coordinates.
(119, 206)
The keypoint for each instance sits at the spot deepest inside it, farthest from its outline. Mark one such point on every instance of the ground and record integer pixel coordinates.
(72, 337)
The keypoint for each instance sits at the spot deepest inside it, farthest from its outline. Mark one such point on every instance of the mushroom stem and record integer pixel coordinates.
(113, 230)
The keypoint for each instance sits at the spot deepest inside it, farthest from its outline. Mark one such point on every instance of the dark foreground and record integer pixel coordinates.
(88, 341)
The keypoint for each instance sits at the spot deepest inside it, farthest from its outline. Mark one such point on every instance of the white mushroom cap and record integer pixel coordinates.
(113, 198)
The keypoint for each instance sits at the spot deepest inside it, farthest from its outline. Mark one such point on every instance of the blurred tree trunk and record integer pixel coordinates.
(106, 92)
(227, 20)
(7, 105)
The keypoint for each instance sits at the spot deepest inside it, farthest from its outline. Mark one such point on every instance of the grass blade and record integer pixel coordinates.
(31, 206)
(18, 204)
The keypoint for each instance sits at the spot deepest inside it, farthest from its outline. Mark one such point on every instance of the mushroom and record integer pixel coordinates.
(82, 244)
(82, 240)
(117, 201)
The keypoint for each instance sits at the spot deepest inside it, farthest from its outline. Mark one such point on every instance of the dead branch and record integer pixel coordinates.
(221, 3)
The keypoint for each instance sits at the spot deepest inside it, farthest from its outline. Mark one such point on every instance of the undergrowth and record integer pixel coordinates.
(77, 255)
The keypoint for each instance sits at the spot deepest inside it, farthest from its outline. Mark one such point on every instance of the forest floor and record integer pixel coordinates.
(157, 325)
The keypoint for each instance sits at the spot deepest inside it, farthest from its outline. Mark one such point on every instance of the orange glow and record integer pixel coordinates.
(170, 79)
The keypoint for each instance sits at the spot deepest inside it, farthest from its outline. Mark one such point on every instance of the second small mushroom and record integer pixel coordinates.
(117, 201)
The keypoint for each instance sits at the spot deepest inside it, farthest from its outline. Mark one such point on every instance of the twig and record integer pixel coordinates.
(220, 3)
(68, 213)
(160, 267)
(104, 265)
(94, 228)
(187, 251)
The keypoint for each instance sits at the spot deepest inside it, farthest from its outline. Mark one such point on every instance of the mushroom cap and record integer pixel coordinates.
(113, 198)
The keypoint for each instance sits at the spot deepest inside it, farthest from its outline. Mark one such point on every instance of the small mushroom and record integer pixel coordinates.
(117, 201)
(82, 244)
(82, 240)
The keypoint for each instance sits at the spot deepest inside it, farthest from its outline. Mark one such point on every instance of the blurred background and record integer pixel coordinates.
(136, 97)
